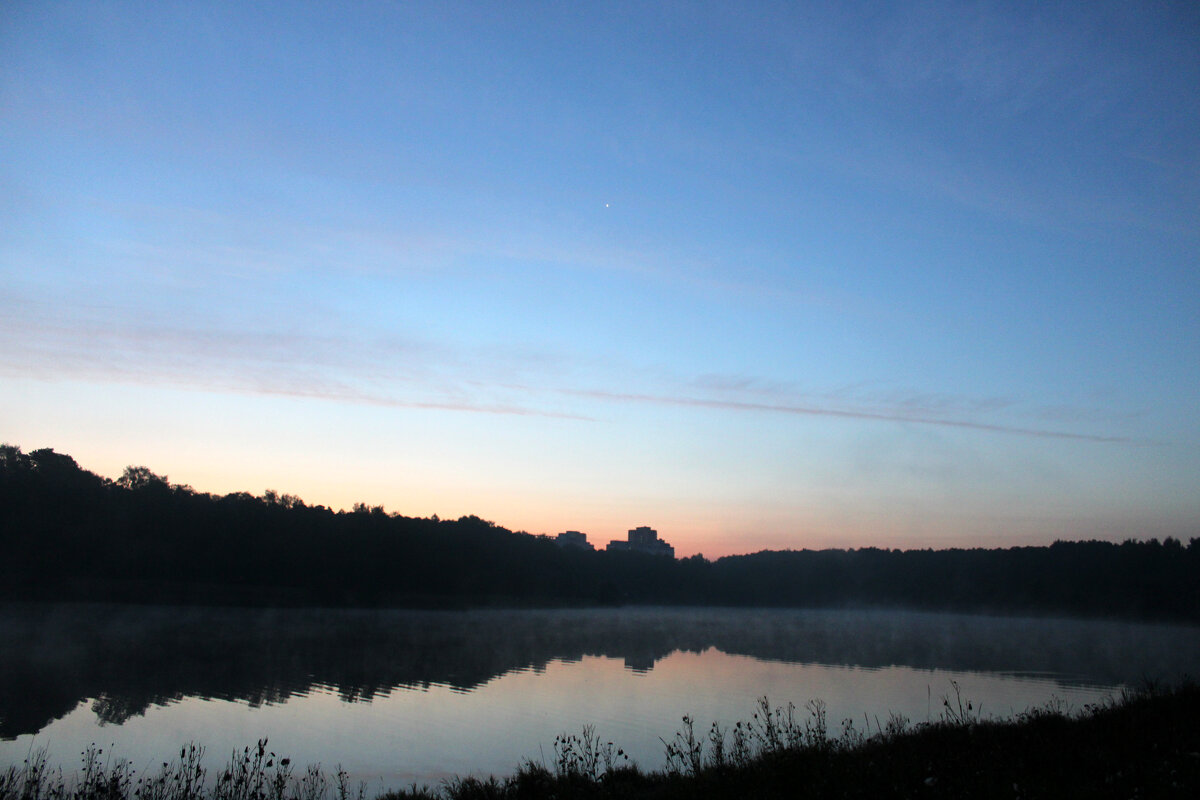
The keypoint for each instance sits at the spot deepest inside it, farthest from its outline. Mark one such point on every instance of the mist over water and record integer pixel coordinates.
(402, 696)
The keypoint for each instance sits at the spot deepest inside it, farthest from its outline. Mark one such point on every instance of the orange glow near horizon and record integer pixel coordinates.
(190, 439)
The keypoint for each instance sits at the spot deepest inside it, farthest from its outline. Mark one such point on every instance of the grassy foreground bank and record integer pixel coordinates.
(1146, 744)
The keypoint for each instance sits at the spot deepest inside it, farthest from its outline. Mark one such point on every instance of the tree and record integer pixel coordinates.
(11, 458)
(139, 477)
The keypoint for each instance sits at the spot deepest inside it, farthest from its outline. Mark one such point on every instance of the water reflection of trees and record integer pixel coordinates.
(125, 659)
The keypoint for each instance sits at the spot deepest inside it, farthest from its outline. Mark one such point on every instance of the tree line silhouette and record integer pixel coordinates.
(69, 534)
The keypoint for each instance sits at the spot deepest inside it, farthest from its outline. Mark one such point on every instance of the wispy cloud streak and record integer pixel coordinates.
(818, 411)
(390, 372)
(411, 373)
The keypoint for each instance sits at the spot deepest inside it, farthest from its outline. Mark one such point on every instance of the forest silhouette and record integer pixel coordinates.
(70, 535)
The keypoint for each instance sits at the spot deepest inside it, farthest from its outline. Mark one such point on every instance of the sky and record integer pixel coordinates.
(758, 275)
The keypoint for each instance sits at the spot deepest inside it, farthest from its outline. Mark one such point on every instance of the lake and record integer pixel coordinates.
(398, 697)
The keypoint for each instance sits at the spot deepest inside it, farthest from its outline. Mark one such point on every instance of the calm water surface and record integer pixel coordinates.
(400, 696)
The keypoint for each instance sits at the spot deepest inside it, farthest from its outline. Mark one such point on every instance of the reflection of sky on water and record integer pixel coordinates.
(428, 733)
(398, 696)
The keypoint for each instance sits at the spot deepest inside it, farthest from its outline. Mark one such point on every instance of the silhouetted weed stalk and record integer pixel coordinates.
(585, 756)
(955, 713)
(770, 730)
(253, 774)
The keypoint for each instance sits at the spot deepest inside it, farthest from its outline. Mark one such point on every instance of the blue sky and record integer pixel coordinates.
(758, 275)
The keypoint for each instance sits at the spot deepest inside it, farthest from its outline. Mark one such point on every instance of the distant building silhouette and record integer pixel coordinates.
(573, 539)
(643, 539)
